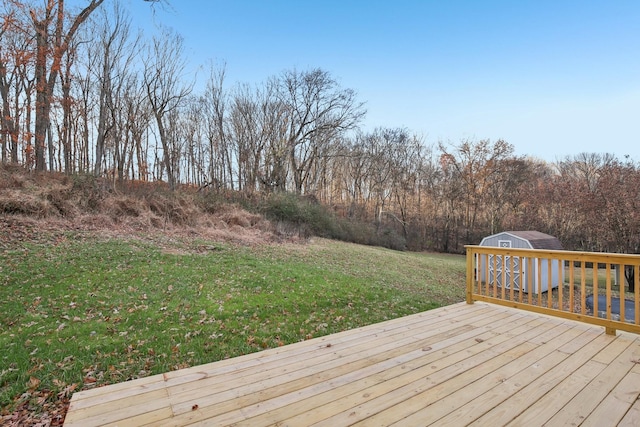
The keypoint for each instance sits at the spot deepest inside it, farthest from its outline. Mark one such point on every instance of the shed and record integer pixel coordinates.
(517, 268)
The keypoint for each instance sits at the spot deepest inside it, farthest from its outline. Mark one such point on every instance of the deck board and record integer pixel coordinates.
(477, 364)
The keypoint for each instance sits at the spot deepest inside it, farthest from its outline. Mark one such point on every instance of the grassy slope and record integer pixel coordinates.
(83, 312)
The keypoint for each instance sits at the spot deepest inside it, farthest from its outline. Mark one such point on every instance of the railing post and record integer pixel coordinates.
(470, 266)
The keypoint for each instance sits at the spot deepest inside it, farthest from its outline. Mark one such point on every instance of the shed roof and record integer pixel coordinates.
(538, 240)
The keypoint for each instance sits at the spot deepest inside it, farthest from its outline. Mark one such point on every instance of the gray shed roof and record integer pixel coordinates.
(538, 240)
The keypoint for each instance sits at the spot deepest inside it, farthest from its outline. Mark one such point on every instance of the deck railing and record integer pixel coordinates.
(598, 288)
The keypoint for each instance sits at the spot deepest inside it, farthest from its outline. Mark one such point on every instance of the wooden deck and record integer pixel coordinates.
(478, 364)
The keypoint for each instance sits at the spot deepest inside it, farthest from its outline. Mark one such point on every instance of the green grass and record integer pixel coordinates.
(601, 275)
(78, 313)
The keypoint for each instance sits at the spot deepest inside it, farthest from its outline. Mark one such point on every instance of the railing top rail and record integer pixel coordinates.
(604, 257)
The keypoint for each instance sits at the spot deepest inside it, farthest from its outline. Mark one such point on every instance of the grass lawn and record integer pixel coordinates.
(80, 311)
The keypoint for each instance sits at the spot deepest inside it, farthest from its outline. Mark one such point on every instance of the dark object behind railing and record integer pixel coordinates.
(629, 308)
(628, 274)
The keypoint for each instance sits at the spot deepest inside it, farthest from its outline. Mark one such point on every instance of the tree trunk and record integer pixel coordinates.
(166, 152)
(630, 276)
(44, 85)
(42, 98)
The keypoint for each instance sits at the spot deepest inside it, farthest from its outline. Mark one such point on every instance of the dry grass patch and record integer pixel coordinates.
(16, 202)
(45, 203)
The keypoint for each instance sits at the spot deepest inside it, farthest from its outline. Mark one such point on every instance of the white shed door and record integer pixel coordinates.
(510, 271)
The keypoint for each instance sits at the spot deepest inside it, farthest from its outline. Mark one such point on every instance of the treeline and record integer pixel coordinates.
(102, 99)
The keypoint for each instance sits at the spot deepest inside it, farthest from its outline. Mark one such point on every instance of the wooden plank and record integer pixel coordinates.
(632, 417)
(467, 404)
(547, 406)
(293, 376)
(484, 395)
(302, 408)
(590, 397)
(215, 406)
(126, 390)
(233, 369)
(335, 355)
(149, 418)
(433, 408)
(140, 384)
(116, 411)
(383, 389)
(612, 352)
(615, 405)
(412, 397)
(525, 397)
(434, 383)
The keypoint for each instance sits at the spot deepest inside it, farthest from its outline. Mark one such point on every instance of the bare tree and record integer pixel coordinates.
(136, 122)
(13, 53)
(408, 164)
(428, 203)
(505, 194)
(51, 45)
(615, 219)
(256, 125)
(220, 165)
(115, 53)
(318, 110)
(357, 174)
(193, 131)
(67, 104)
(164, 82)
(382, 148)
(478, 165)
(586, 167)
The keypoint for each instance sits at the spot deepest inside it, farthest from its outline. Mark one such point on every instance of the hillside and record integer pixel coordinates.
(36, 206)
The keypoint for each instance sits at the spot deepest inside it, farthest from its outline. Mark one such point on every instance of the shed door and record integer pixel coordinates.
(510, 271)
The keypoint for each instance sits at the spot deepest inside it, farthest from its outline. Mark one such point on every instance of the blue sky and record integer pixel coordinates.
(553, 78)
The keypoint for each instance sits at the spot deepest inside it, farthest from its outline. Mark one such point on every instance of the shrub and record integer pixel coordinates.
(305, 216)
(89, 193)
(210, 202)
(173, 208)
